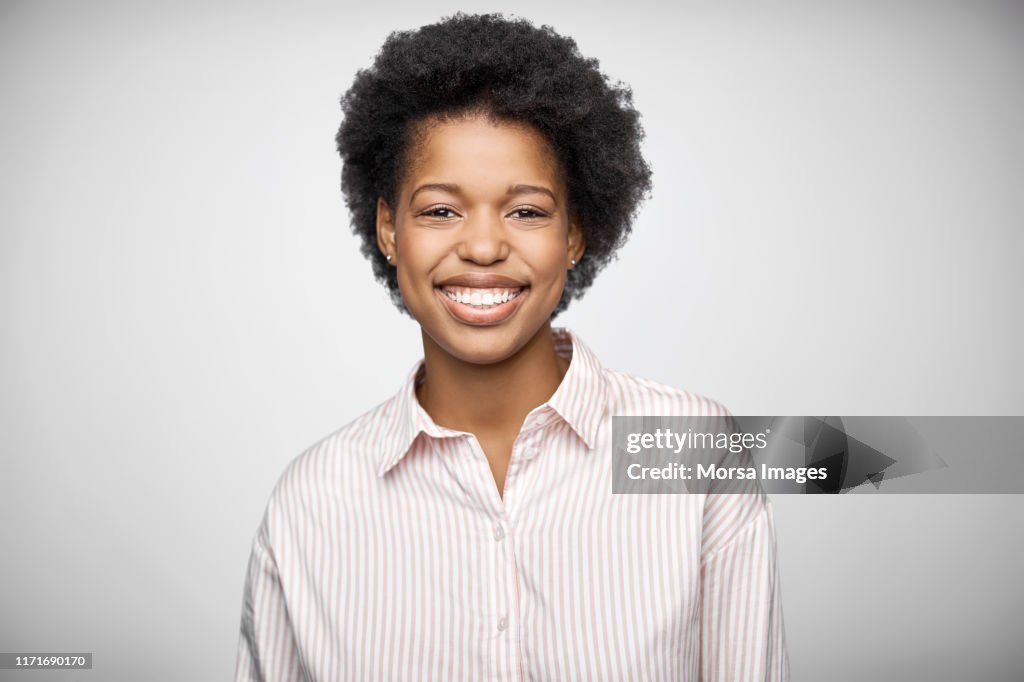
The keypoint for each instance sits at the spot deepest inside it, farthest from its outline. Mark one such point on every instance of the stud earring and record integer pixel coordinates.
(573, 263)
(389, 257)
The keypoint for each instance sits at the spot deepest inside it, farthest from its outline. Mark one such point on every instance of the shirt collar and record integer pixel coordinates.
(580, 400)
(582, 397)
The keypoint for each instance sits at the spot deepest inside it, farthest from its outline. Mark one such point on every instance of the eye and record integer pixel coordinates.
(439, 212)
(528, 213)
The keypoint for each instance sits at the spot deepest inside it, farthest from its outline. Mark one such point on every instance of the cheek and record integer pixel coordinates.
(546, 256)
(419, 253)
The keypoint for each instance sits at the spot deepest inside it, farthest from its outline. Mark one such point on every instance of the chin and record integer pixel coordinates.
(481, 345)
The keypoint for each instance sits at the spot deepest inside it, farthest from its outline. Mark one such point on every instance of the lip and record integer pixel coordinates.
(482, 280)
(483, 317)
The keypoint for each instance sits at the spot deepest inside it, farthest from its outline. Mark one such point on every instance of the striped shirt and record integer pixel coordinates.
(386, 553)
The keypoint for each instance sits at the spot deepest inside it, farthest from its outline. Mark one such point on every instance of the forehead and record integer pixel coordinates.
(481, 151)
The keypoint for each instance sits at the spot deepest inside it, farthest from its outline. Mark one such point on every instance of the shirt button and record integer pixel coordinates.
(502, 623)
(499, 533)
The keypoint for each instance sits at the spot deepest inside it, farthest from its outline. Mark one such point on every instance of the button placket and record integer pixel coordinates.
(506, 613)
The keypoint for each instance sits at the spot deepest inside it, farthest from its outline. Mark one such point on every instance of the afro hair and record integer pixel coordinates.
(514, 71)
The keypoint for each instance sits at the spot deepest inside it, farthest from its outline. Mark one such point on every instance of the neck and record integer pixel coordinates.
(494, 397)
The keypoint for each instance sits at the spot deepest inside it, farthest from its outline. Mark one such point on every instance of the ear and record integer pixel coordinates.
(386, 230)
(577, 240)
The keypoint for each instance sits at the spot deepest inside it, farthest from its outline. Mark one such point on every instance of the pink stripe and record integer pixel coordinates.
(377, 556)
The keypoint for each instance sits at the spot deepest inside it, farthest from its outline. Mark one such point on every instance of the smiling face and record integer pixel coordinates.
(481, 236)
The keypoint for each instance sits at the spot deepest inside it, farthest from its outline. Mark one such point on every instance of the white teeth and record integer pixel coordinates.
(480, 298)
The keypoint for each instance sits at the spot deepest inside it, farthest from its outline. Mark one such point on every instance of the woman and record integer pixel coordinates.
(466, 528)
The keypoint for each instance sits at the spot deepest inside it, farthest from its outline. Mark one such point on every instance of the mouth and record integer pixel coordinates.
(481, 306)
(481, 299)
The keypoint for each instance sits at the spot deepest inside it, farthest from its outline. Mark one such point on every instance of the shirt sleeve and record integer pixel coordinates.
(267, 650)
(742, 632)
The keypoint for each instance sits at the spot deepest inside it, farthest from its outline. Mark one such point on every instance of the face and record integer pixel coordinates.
(481, 236)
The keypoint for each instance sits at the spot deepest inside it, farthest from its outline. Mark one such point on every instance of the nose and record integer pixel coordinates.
(483, 238)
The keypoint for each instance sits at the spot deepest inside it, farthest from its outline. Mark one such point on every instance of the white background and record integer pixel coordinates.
(835, 229)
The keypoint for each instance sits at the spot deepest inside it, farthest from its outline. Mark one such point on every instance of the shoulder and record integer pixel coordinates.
(635, 395)
(336, 461)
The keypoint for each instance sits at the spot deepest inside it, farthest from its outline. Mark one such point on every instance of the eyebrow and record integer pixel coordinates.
(452, 188)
